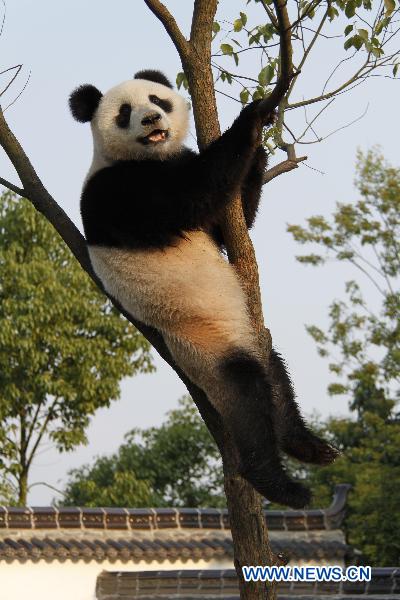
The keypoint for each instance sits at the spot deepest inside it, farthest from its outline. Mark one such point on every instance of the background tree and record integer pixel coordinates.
(285, 32)
(176, 464)
(63, 347)
(363, 345)
(366, 235)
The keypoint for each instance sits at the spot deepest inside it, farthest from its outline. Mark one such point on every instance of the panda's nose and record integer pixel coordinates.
(151, 118)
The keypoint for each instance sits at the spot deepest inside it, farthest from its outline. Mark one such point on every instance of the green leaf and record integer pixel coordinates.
(237, 25)
(181, 80)
(357, 42)
(226, 49)
(377, 52)
(335, 389)
(225, 76)
(348, 29)
(390, 6)
(332, 12)
(216, 27)
(350, 9)
(395, 69)
(243, 18)
(363, 33)
(266, 74)
(236, 58)
(244, 96)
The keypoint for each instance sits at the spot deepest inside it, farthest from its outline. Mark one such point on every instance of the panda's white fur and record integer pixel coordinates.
(160, 287)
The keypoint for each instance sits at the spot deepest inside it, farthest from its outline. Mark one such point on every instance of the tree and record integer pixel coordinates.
(176, 464)
(63, 347)
(366, 345)
(366, 235)
(276, 40)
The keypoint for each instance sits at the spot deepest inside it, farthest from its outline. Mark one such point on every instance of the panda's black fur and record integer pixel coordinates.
(150, 209)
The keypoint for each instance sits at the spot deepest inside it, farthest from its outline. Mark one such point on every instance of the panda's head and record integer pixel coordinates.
(137, 119)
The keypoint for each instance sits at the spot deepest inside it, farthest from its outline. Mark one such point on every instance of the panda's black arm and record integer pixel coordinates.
(250, 193)
(252, 186)
(230, 164)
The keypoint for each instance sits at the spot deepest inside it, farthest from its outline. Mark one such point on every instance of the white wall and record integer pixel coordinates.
(74, 581)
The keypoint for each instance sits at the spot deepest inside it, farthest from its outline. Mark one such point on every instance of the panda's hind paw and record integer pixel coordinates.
(309, 448)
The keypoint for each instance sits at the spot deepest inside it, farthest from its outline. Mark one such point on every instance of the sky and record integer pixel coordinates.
(66, 43)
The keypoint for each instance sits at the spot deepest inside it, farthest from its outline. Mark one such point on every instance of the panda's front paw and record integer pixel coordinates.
(254, 119)
(270, 118)
(251, 122)
(251, 110)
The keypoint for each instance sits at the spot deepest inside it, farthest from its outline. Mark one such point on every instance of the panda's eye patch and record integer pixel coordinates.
(124, 115)
(166, 105)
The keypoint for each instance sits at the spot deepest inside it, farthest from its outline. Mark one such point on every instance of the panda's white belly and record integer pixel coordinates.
(188, 289)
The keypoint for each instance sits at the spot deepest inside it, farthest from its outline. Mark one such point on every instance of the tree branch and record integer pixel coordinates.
(270, 14)
(34, 421)
(286, 64)
(202, 21)
(12, 187)
(328, 95)
(17, 69)
(34, 190)
(282, 167)
(162, 13)
(308, 50)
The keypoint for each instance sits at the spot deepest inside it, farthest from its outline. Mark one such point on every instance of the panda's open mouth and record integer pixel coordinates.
(155, 137)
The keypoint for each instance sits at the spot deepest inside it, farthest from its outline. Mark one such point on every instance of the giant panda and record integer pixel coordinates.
(150, 209)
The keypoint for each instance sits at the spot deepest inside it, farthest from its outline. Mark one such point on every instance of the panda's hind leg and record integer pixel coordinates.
(294, 436)
(254, 432)
(236, 384)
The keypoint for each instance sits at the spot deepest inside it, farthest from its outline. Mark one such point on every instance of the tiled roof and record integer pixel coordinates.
(110, 534)
(168, 518)
(213, 584)
(160, 548)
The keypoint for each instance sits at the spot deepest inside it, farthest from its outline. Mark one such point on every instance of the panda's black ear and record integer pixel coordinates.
(155, 76)
(84, 101)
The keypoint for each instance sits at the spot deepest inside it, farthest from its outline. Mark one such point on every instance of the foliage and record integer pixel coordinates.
(365, 234)
(176, 464)
(63, 348)
(363, 31)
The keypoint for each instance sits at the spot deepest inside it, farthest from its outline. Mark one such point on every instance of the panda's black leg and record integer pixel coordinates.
(253, 430)
(294, 436)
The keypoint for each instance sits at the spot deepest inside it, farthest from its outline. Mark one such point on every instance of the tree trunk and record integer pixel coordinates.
(23, 487)
(245, 505)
